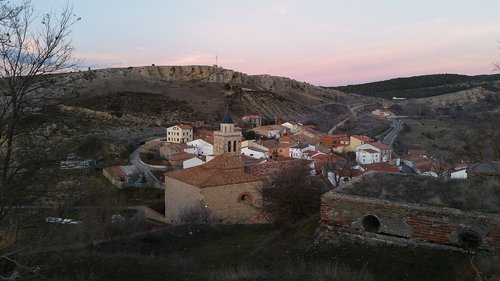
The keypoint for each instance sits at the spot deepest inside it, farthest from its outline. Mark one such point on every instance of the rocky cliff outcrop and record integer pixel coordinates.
(213, 74)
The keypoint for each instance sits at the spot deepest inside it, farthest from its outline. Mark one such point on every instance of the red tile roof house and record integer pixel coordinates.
(373, 152)
(380, 167)
(276, 149)
(122, 176)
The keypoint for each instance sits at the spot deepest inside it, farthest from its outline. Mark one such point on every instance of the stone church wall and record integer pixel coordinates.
(237, 203)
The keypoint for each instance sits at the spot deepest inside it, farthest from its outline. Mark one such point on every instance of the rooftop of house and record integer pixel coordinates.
(121, 171)
(338, 137)
(348, 172)
(381, 167)
(224, 169)
(370, 151)
(380, 145)
(362, 138)
(180, 156)
(465, 194)
(185, 127)
(272, 167)
(256, 149)
(273, 144)
(300, 145)
(152, 145)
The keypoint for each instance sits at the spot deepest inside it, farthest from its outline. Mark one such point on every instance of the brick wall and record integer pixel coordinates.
(410, 222)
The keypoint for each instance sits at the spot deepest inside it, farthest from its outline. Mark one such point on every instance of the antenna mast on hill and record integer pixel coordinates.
(216, 60)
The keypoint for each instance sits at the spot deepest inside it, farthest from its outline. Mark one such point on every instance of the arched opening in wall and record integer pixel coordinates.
(246, 198)
(234, 146)
(229, 146)
(370, 223)
(469, 239)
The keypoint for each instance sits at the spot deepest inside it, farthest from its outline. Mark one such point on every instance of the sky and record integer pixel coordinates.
(323, 42)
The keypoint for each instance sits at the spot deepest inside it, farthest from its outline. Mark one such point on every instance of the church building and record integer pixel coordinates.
(220, 188)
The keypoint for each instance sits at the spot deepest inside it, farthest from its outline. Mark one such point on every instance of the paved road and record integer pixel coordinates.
(146, 169)
(353, 113)
(396, 128)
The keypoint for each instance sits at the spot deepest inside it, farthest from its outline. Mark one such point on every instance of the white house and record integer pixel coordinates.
(298, 150)
(180, 133)
(255, 152)
(459, 174)
(202, 147)
(367, 156)
(193, 162)
(373, 152)
(293, 127)
(271, 131)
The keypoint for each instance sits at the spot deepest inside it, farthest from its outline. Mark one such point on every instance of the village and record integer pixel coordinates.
(221, 172)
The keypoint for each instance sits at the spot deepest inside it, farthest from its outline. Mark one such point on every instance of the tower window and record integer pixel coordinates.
(229, 146)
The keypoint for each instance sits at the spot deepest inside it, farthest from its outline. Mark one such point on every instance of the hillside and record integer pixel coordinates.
(245, 252)
(162, 95)
(423, 86)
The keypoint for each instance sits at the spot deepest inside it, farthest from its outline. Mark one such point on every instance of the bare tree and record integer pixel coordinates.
(31, 47)
(291, 195)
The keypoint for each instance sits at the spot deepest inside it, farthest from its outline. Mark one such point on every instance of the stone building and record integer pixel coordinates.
(227, 139)
(220, 189)
(392, 213)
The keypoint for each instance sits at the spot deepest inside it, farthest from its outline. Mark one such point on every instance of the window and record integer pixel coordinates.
(246, 198)
(229, 146)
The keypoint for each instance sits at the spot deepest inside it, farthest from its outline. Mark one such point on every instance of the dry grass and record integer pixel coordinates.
(478, 195)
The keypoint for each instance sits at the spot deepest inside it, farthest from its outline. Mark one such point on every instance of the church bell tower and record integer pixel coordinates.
(227, 139)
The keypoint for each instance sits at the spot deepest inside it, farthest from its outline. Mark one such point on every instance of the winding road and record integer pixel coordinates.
(353, 113)
(396, 128)
(145, 168)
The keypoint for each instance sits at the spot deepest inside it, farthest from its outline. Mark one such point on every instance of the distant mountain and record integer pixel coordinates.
(423, 86)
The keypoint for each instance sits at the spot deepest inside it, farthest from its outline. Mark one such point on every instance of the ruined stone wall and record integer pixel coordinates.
(386, 220)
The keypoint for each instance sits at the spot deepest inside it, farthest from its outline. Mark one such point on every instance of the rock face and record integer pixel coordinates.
(213, 74)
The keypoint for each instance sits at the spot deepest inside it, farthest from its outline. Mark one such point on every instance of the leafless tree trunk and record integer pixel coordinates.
(31, 47)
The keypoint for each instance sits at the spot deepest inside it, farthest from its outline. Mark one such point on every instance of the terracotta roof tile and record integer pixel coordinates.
(224, 169)
(381, 167)
(380, 145)
(362, 138)
(185, 127)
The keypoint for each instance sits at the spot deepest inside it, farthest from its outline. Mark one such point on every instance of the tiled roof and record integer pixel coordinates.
(151, 145)
(381, 167)
(121, 171)
(272, 167)
(300, 145)
(224, 169)
(380, 145)
(349, 172)
(185, 127)
(274, 144)
(362, 138)
(181, 156)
